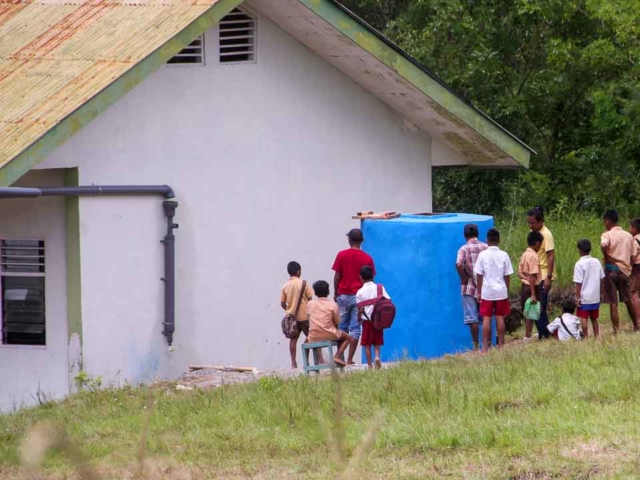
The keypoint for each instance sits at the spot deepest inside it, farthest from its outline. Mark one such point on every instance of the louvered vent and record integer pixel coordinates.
(22, 283)
(237, 38)
(191, 55)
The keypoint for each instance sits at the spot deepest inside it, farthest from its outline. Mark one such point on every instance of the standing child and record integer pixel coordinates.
(493, 269)
(371, 337)
(619, 249)
(465, 263)
(567, 326)
(531, 277)
(291, 294)
(588, 275)
(635, 269)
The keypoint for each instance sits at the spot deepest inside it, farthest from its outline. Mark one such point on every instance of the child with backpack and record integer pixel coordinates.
(374, 306)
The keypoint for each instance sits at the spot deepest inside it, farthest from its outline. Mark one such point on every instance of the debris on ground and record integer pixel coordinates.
(201, 376)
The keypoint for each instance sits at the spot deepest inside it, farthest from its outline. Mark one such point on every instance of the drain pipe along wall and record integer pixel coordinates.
(169, 207)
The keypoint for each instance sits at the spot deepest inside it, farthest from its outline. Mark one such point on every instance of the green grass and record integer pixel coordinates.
(549, 410)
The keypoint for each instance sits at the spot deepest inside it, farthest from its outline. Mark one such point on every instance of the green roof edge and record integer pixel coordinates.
(83, 115)
(400, 62)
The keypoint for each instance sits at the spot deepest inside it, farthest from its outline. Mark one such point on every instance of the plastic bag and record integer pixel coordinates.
(531, 310)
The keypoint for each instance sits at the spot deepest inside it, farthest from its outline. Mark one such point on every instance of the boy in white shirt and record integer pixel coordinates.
(567, 326)
(493, 269)
(588, 275)
(371, 337)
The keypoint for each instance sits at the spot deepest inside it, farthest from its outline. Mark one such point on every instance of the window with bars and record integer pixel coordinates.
(22, 270)
(193, 54)
(237, 38)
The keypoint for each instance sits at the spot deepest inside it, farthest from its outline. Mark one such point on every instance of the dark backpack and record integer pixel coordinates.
(384, 311)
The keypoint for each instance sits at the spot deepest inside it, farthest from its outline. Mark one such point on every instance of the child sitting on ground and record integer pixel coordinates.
(370, 336)
(531, 277)
(567, 326)
(588, 275)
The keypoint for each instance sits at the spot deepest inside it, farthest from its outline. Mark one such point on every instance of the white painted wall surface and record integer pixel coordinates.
(27, 371)
(269, 161)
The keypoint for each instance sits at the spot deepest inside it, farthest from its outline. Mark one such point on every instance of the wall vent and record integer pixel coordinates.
(193, 54)
(237, 38)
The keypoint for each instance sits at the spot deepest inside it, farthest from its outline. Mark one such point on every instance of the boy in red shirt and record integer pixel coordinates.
(346, 283)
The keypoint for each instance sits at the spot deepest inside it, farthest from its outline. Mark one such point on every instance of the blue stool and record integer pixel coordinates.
(329, 344)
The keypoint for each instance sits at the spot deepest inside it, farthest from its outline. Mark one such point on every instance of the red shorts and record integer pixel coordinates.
(499, 308)
(592, 314)
(371, 336)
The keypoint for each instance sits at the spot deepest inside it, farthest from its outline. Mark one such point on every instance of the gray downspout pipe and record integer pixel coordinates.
(169, 208)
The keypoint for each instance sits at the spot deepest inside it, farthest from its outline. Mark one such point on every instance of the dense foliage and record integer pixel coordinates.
(563, 75)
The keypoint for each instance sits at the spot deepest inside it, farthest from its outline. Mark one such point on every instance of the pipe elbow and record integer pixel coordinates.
(169, 193)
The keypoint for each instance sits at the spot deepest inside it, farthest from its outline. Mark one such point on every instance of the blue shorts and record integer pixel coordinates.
(470, 308)
(349, 316)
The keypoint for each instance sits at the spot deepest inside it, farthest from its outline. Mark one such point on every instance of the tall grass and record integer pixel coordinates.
(549, 410)
(567, 229)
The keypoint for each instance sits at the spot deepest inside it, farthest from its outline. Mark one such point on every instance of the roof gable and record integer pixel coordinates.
(388, 72)
(62, 64)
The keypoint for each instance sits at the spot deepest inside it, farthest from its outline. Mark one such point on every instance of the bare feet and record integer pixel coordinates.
(338, 361)
(378, 364)
(294, 366)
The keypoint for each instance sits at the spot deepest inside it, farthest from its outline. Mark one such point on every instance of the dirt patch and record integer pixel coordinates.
(214, 378)
(593, 451)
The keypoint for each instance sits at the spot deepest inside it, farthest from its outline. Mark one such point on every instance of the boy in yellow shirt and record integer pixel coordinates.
(530, 275)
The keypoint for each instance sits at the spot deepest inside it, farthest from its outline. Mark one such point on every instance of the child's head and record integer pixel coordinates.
(294, 269)
(635, 226)
(470, 231)
(569, 306)
(355, 237)
(611, 218)
(535, 218)
(321, 289)
(584, 246)
(493, 237)
(366, 274)
(534, 240)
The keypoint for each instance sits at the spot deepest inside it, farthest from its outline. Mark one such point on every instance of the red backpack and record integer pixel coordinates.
(384, 311)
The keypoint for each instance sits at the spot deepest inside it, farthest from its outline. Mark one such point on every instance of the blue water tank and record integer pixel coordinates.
(415, 258)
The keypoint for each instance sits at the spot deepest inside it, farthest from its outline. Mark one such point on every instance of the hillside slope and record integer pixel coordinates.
(545, 411)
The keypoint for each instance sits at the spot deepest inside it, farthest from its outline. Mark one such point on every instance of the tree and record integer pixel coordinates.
(560, 74)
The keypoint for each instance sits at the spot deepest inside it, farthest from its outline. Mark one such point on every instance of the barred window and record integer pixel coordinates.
(22, 271)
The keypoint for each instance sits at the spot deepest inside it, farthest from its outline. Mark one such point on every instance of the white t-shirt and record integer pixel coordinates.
(572, 323)
(493, 264)
(369, 291)
(588, 272)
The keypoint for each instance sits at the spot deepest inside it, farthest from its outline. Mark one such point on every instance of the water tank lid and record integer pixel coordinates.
(436, 218)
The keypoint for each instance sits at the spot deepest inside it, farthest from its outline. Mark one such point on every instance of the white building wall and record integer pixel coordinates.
(269, 161)
(29, 374)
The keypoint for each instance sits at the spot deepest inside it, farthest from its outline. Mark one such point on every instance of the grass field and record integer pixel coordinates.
(541, 411)
(549, 410)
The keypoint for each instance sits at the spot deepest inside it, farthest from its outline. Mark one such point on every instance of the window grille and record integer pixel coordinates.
(193, 54)
(22, 271)
(237, 38)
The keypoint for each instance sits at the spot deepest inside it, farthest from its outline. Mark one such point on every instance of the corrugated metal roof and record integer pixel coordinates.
(55, 55)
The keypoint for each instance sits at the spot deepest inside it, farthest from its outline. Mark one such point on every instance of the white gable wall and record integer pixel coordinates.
(269, 161)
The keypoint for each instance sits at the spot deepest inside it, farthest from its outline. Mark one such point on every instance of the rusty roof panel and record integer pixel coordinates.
(55, 55)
